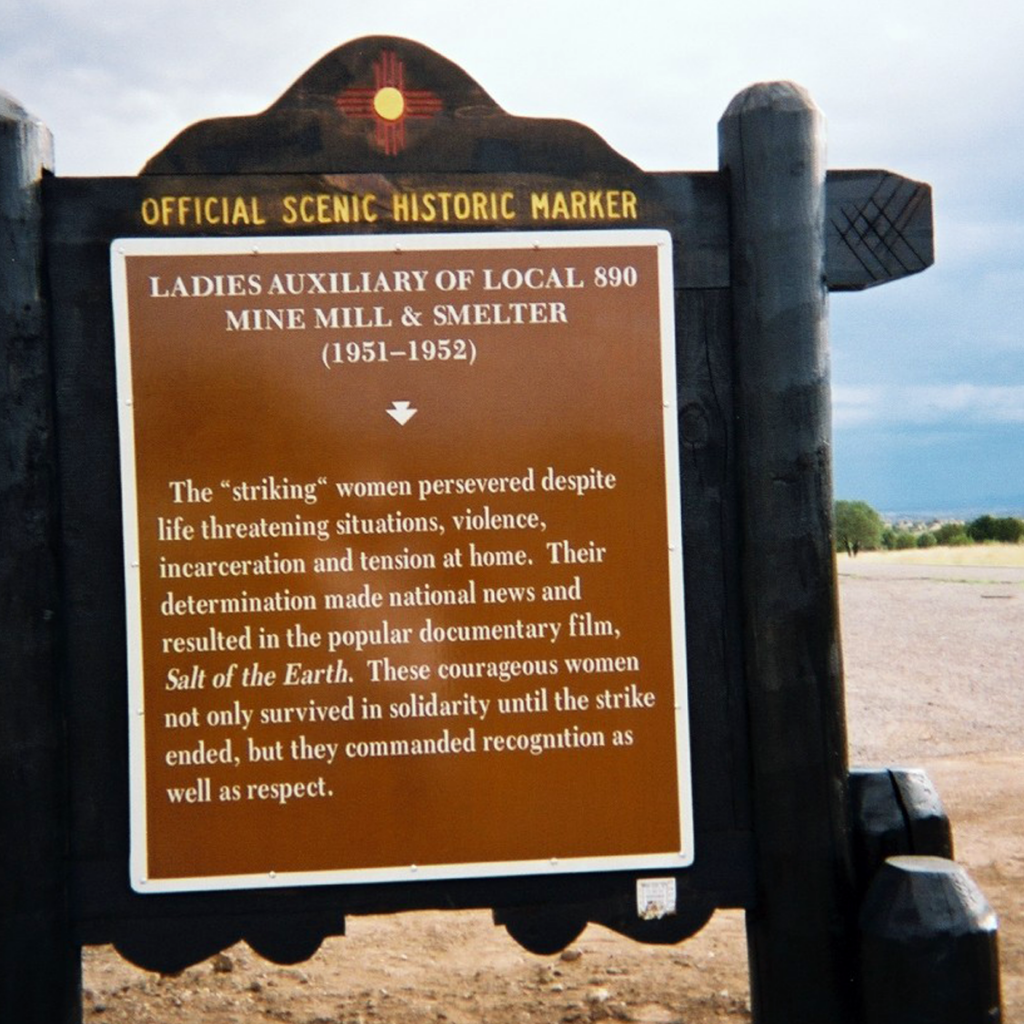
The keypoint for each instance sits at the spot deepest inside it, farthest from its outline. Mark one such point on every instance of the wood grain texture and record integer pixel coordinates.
(929, 946)
(772, 149)
(878, 229)
(40, 980)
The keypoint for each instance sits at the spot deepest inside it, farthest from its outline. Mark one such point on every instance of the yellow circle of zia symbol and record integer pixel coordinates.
(389, 103)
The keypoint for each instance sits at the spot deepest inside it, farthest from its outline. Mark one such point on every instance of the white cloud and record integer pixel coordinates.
(927, 405)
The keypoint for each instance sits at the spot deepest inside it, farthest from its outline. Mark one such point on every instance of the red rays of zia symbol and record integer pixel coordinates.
(389, 103)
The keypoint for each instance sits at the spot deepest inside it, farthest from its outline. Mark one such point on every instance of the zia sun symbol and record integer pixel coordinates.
(389, 103)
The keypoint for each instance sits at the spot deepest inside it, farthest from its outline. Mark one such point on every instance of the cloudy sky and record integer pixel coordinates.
(928, 372)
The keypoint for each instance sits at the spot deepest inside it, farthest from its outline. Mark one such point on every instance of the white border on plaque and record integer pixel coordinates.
(121, 251)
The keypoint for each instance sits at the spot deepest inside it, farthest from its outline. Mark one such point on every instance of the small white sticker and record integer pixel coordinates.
(655, 898)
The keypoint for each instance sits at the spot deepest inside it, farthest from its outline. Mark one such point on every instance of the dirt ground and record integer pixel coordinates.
(934, 658)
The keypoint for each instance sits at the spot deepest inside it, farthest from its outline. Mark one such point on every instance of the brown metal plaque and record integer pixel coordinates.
(403, 557)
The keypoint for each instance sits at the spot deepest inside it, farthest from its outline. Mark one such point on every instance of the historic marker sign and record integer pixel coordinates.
(403, 557)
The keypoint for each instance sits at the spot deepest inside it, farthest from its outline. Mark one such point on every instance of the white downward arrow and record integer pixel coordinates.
(401, 413)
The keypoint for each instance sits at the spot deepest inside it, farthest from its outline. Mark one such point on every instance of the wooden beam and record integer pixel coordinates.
(878, 229)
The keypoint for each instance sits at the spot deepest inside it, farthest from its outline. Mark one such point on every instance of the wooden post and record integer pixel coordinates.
(801, 933)
(895, 811)
(929, 946)
(40, 976)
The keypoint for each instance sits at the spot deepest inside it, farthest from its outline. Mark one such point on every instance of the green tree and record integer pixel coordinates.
(952, 535)
(858, 527)
(982, 528)
(1009, 529)
(1006, 529)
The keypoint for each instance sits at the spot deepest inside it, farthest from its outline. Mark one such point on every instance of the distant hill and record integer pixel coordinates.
(926, 513)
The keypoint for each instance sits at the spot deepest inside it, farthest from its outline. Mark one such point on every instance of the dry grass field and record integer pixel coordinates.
(934, 653)
(978, 555)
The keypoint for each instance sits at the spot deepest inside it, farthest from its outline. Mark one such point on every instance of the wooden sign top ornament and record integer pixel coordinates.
(382, 103)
